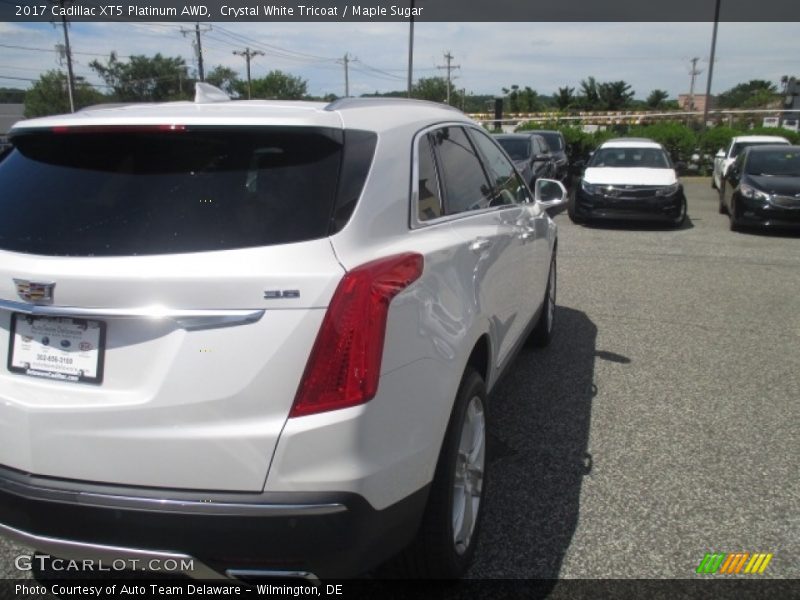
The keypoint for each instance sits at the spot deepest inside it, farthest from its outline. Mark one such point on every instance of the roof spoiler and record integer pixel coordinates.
(205, 93)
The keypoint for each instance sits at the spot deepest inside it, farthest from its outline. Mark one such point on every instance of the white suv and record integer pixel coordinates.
(260, 335)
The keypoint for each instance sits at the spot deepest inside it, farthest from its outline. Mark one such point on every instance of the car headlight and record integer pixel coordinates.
(752, 193)
(589, 188)
(668, 190)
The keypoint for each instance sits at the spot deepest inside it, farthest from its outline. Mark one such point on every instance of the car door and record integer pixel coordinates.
(540, 166)
(485, 221)
(531, 230)
(719, 164)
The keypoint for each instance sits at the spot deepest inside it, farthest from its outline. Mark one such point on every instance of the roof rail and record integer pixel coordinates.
(104, 105)
(345, 103)
(205, 93)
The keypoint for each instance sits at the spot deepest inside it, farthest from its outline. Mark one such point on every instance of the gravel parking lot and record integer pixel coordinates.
(662, 423)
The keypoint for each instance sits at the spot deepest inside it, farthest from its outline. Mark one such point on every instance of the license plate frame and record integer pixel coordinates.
(81, 342)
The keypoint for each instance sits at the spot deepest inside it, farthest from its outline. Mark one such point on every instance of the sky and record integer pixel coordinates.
(491, 56)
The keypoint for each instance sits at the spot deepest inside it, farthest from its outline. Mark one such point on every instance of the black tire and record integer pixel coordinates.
(435, 553)
(682, 217)
(733, 222)
(722, 209)
(571, 210)
(543, 330)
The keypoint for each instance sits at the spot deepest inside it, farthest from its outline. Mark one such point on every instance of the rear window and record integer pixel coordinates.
(122, 192)
(517, 148)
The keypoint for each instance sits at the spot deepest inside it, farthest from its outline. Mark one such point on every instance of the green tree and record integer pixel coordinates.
(145, 79)
(589, 98)
(679, 140)
(565, 98)
(224, 78)
(754, 93)
(430, 88)
(49, 95)
(657, 99)
(276, 85)
(529, 100)
(512, 94)
(614, 95)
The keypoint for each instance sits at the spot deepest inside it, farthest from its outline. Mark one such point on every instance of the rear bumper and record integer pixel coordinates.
(295, 534)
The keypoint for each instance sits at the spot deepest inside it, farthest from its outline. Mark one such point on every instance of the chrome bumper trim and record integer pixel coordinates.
(169, 505)
(184, 318)
(71, 550)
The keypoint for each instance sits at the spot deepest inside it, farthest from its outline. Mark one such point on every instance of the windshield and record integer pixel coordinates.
(775, 163)
(146, 191)
(648, 158)
(517, 148)
(553, 139)
(739, 146)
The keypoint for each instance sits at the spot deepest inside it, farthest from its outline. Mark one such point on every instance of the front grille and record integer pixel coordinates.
(785, 202)
(629, 191)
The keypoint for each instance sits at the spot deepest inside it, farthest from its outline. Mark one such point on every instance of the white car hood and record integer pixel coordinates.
(629, 176)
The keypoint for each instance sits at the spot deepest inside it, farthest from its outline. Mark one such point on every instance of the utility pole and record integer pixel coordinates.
(711, 64)
(346, 60)
(694, 73)
(450, 67)
(68, 52)
(248, 54)
(198, 47)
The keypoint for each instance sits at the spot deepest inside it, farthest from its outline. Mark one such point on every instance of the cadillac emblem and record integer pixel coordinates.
(35, 291)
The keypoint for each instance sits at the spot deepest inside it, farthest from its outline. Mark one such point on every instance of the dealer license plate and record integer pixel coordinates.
(62, 348)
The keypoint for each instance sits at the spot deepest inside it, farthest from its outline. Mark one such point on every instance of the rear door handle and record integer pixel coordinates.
(480, 244)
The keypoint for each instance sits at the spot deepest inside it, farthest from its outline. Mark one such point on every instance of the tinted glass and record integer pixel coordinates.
(553, 139)
(151, 192)
(648, 158)
(774, 163)
(463, 178)
(739, 146)
(429, 202)
(507, 187)
(517, 148)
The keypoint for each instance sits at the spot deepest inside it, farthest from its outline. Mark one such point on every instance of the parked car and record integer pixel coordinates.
(725, 157)
(762, 188)
(530, 154)
(629, 178)
(259, 336)
(558, 150)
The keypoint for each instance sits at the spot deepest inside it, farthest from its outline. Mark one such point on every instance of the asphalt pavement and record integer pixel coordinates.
(662, 421)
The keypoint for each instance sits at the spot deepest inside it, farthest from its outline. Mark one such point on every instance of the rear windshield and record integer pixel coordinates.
(131, 192)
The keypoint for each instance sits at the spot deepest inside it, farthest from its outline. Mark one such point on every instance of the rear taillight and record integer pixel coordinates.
(345, 362)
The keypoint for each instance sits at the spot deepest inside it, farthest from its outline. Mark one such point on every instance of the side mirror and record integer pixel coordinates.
(720, 153)
(549, 193)
(541, 157)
